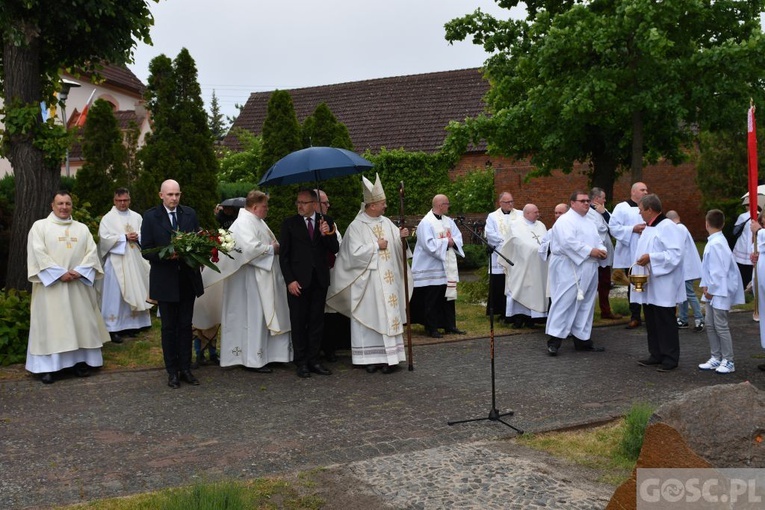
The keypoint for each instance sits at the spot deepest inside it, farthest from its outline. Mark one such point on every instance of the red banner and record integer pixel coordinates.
(751, 146)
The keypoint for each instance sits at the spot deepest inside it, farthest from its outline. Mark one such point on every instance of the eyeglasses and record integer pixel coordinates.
(507, 201)
(584, 201)
(301, 202)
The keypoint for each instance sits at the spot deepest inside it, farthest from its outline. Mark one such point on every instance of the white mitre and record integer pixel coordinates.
(372, 193)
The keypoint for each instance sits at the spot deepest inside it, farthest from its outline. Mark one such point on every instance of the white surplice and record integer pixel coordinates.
(625, 216)
(526, 280)
(248, 298)
(720, 274)
(691, 258)
(126, 273)
(433, 262)
(573, 273)
(66, 326)
(663, 242)
(368, 286)
(497, 230)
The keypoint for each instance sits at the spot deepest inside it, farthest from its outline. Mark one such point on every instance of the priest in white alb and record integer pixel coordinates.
(66, 328)
(126, 273)
(576, 252)
(526, 280)
(497, 230)
(368, 284)
(248, 298)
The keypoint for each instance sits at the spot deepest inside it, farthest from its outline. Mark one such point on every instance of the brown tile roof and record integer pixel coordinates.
(121, 77)
(407, 112)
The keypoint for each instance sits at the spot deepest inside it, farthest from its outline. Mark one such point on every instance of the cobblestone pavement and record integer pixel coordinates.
(119, 433)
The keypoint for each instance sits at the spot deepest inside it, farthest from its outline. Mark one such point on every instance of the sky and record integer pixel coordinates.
(244, 46)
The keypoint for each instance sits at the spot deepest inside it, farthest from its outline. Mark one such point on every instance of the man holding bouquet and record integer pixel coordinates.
(172, 283)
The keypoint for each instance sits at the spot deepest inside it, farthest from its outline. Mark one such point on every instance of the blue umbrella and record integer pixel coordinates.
(314, 164)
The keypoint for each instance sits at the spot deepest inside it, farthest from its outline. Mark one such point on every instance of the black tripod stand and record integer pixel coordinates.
(494, 414)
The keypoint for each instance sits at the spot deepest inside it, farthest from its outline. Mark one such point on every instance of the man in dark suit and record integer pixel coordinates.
(305, 240)
(172, 283)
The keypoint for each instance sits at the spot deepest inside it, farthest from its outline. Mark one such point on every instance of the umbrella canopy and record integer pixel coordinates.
(234, 202)
(760, 197)
(314, 164)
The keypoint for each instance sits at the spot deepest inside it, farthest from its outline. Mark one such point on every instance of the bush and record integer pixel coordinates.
(476, 291)
(14, 325)
(634, 432)
(475, 257)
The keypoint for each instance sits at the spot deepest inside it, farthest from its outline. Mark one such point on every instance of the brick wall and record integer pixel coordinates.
(675, 185)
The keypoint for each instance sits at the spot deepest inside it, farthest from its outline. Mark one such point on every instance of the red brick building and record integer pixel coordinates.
(411, 112)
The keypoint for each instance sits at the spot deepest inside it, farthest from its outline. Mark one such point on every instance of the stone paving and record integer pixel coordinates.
(119, 433)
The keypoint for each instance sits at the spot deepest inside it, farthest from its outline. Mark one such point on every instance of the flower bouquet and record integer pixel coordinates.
(197, 249)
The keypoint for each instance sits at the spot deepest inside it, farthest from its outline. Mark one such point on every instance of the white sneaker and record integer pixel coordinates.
(711, 364)
(726, 367)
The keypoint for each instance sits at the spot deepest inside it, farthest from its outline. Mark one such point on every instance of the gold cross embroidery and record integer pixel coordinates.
(389, 277)
(395, 324)
(393, 300)
(385, 254)
(377, 230)
(68, 239)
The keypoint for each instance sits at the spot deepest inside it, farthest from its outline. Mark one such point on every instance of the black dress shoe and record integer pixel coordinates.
(456, 331)
(188, 377)
(389, 369)
(648, 362)
(214, 359)
(303, 372)
(318, 368)
(116, 339)
(666, 368)
(552, 350)
(173, 382)
(81, 369)
(371, 369)
(47, 378)
(434, 334)
(261, 370)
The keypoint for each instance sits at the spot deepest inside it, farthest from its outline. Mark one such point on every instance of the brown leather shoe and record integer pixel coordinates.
(633, 324)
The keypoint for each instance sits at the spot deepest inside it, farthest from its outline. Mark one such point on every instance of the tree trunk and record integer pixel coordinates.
(34, 182)
(636, 165)
(604, 173)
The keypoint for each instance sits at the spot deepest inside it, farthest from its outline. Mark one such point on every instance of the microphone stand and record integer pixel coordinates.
(494, 414)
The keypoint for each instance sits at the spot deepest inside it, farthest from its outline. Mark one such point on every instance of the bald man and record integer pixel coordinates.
(172, 282)
(434, 270)
(625, 226)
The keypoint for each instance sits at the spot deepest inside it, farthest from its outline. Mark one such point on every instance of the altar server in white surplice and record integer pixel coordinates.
(660, 250)
(66, 328)
(248, 297)
(126, 272)
(576, 252)
(526, 281)
(368, 284)
(434, 270)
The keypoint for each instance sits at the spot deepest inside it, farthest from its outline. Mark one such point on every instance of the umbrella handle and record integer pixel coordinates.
(334, 226)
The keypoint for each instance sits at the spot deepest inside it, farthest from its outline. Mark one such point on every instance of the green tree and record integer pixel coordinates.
(612, 82)
(322, 129)
(216, 119)
(39, 38)
(242, 166)
(281, 136)
(281, 130)
(105, 158)
(180, 147)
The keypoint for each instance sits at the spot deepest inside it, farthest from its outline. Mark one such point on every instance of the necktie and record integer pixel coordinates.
(173, 221)
(310, 227)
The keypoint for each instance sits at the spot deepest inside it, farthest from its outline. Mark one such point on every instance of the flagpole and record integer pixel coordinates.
(751, 146)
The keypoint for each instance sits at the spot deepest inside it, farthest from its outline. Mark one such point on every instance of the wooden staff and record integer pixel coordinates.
(405, 247)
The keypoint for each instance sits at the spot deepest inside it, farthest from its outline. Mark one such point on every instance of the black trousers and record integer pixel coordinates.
(497, 300)
(430, 308)
(177, 337)
(307, 318)
(663, 336)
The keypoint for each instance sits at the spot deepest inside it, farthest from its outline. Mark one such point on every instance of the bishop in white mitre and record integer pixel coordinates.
(125, 286)
(368, 284)
(66, 328)
(248, 298)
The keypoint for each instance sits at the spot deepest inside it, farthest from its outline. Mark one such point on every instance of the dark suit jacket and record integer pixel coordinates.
(165, 275)
(299, 255)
